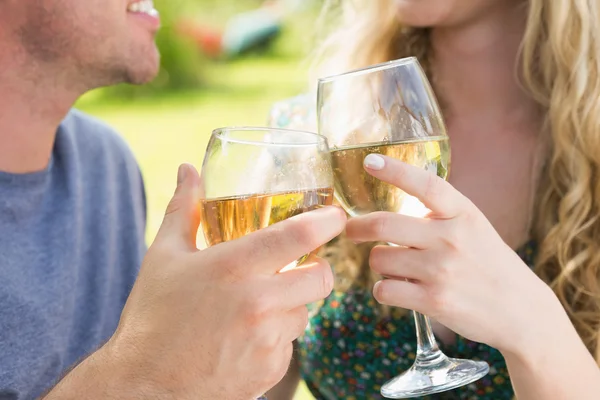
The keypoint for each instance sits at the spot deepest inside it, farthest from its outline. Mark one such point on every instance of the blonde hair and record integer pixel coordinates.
(560, 69)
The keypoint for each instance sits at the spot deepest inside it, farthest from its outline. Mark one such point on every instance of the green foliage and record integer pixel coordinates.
(185, 69)
(182, 64)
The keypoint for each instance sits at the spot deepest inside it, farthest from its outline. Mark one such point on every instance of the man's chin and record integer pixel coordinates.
(142, 74)
(143, 69)
(142, 78)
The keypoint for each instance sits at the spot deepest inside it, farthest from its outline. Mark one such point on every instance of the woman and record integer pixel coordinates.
(519, 83)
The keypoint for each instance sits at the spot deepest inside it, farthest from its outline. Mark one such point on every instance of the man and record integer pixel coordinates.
(197, 325)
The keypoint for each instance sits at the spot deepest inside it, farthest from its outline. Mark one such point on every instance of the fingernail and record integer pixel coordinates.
(181, 173)
(374, 162)
(376, 289)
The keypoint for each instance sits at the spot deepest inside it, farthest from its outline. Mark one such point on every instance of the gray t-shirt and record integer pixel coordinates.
(71, 244)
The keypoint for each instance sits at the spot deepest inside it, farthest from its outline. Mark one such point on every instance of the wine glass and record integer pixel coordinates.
(255, 177)
(390, 109)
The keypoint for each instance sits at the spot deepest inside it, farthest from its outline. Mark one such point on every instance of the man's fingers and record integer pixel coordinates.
(434, 192)
(182, 218)
(294, 323)
(311, 282)
(270, 249)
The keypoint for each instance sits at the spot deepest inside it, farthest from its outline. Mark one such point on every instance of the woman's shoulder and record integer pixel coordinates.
(298, 112)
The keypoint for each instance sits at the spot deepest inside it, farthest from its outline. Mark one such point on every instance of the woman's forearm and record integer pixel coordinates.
(558, 366)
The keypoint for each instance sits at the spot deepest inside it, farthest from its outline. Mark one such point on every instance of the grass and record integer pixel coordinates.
(167, 131)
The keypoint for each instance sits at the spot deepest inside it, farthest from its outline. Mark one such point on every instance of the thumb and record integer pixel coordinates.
(182, 217)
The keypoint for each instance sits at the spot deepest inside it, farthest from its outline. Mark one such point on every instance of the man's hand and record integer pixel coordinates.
(217, 323)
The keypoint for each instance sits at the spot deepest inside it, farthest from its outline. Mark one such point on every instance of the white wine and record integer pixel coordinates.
(359, 193)
(230, 218)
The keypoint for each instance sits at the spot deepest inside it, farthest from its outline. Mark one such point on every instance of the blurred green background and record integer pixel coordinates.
(169, 121)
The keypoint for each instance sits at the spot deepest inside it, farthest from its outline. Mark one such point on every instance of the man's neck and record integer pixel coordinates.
(476, 71)
(31, 109)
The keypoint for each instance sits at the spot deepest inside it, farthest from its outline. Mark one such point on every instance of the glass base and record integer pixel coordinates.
(429, 378)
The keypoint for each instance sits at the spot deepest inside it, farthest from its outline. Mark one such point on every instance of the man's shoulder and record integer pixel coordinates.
(94, 137)
(89, 148)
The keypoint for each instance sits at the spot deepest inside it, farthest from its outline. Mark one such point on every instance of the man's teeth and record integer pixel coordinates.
(144, 6)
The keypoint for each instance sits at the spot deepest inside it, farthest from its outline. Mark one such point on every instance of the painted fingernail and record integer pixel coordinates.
(374, 162)
(377, 290)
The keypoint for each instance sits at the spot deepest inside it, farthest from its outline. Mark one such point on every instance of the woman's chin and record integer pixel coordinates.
(438, 13)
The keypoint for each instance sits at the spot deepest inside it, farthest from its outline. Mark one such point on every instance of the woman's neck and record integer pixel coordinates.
(476, 71)
(492, 121)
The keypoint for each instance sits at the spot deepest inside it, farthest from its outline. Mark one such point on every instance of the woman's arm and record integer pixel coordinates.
(286, 389)
(555, 366)
(453, 266)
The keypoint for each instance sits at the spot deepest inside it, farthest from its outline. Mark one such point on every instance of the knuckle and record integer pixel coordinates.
(301, 319)
(303, 234)
(288, 352)
(433, 187)
(270, 344)
(443, 270)
(453, 234)
(272, 371)
(471, 216)
(377, 259)
(278, 366)
(438, 301)
(319, 278)
(379, 224)
(327, 280)
(271, 239)
(257, 309)
(400, 174)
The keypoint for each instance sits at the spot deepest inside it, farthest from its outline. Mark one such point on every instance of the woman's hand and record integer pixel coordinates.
(452, 265)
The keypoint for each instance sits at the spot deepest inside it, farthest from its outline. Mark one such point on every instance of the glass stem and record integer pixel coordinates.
(428, 352)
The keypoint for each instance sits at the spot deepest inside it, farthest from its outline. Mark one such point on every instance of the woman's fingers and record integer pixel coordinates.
(401, 263)
(401, 293)
(434, 192)
(388, 227)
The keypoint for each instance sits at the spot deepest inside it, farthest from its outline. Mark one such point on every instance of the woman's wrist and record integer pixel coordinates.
(543, 335)
(553, 363)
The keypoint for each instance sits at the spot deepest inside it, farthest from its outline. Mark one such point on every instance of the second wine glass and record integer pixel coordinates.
(390, 109)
